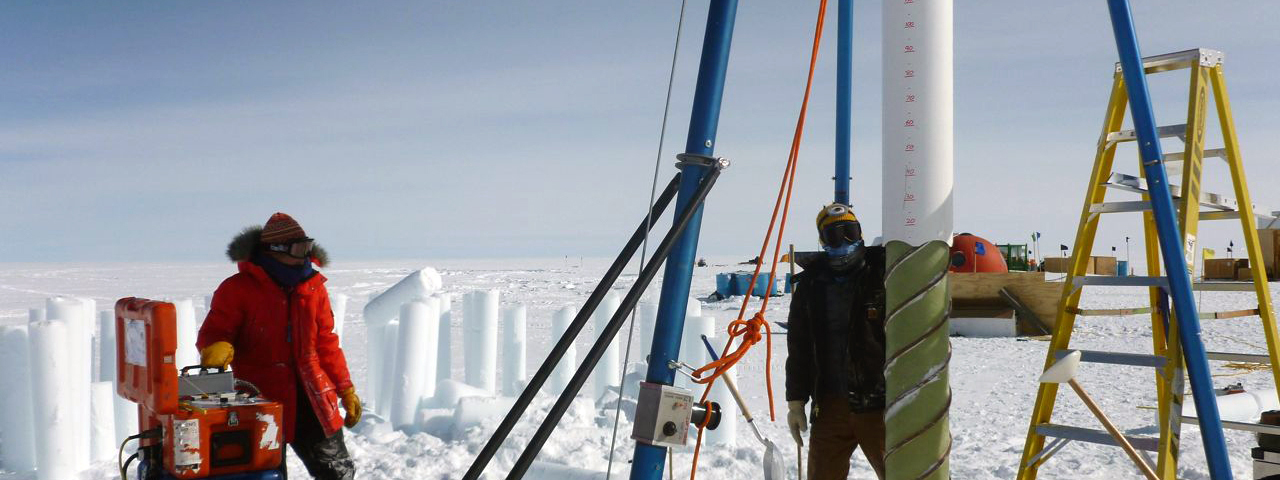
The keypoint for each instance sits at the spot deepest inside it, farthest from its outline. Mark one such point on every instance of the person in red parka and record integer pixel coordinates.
(272, 323)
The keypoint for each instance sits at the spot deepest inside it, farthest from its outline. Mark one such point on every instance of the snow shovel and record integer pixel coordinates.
(774, 469)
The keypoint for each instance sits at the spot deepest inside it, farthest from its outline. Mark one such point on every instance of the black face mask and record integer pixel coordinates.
(853, 260)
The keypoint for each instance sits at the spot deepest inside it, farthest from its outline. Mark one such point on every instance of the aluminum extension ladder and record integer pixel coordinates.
(1205, 74)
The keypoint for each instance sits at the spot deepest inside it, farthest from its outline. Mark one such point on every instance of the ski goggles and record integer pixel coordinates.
(298, 248)
(841, 233)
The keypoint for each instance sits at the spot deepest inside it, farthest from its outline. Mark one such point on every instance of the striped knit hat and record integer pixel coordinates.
(281, 228)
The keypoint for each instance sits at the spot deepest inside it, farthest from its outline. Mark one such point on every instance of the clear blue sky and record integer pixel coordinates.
(430, 129)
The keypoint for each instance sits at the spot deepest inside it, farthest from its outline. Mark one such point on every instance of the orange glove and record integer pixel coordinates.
(351, 403)
(219, 354)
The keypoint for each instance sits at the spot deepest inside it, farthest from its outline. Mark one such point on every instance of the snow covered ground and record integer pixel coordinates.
(993, 379)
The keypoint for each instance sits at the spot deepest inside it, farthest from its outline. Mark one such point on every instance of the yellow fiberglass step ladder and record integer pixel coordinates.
(1206, 73)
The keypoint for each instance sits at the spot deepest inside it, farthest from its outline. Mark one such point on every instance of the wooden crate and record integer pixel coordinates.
(1103, 266)
(1221, 268)
(982, 290)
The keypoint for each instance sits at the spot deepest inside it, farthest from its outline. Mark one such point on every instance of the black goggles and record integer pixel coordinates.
(839, 234)
(299, 248)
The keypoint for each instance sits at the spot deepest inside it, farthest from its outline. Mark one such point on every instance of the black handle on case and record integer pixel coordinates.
(203, 369)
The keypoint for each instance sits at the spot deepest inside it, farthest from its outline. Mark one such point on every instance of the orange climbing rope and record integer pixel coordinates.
(749, 331)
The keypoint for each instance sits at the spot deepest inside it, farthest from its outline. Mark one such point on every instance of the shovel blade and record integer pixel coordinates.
(774, 468)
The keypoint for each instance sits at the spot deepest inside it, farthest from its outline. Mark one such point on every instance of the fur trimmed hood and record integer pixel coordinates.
(246, 242)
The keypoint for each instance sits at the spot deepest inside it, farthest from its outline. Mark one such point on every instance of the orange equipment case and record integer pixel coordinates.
(221, 433)
(211, 437)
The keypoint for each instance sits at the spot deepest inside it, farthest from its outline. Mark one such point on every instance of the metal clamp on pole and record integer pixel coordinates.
(687, 159)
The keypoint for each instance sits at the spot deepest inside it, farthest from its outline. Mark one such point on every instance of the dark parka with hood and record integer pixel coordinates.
(835, 331)
(283, 338)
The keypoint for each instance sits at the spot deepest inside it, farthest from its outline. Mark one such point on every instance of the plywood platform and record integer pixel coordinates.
(982, 291)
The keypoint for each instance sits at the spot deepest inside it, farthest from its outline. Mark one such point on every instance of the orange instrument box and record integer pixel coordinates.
(146, 346)
(211, 437)
(210, 426)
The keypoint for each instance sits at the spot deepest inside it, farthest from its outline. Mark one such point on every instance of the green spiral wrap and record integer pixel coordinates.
(918, 352)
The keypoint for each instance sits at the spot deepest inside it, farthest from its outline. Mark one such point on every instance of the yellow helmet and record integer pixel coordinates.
(838, 226)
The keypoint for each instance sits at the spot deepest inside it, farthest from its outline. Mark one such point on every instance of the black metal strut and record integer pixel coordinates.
(571, 333)
(611, 329)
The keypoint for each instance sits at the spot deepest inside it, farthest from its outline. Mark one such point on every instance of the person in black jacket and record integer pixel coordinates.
(836, 349)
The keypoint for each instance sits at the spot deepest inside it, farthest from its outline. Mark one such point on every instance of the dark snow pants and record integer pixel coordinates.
(837, 433)
(326, 458)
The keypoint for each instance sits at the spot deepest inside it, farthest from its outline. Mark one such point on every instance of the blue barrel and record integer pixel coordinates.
(762, 285)
(740, 282)
(787, 288)
(1122, 268)
(724, 284)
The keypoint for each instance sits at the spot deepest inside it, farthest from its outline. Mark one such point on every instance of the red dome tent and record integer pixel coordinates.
(973, 254)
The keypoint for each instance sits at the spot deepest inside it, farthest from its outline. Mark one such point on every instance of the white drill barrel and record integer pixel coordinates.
(415, 368)
(17, 437)
(338, 303)
(102, 421)
(607, 373)
(444, 338)
(514, 320)
(918, 144)
(482, 349)
(51, 400)
(569, 362)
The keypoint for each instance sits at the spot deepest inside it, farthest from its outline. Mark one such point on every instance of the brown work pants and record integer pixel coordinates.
(837, 433)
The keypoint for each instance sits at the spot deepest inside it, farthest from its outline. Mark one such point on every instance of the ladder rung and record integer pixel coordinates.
(1162, 282)
(1109, 312)
(1223, 286)
(1094, 436)
(1175, 157)
(1122, 312)
(1237, 357)
(1104, 281)
(1134, 184)
(1177, 60)
(1116, 358)
(1245, 426)
(1165, 131)
(1120, 207)
(1229, 314)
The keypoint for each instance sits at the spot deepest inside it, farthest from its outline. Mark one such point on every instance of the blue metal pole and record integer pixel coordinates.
(844, 100)
(647, 464)
(1135, 78)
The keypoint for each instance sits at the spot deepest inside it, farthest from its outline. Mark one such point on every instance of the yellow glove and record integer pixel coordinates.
(351, 403)
(219, 354)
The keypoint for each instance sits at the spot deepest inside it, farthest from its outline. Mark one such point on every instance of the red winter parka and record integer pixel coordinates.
(281, 339)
